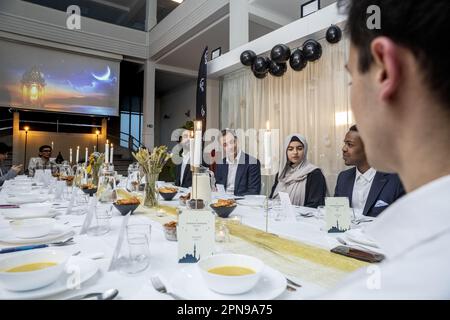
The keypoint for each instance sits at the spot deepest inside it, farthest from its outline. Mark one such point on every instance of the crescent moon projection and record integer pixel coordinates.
(104, 77)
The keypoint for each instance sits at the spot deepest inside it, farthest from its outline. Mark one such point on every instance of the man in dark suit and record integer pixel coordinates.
(239, 173)
(183, 174)
(369, 192)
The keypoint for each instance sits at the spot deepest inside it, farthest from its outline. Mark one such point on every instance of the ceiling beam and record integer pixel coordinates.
(112, 5)
(267, 18)
(177, 70)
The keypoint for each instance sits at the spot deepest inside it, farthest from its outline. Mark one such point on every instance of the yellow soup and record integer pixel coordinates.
(32, 267)
(231, 271)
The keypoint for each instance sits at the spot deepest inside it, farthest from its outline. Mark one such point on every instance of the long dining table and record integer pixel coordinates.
(297, 246)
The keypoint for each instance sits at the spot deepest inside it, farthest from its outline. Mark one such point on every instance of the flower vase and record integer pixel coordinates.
(150, 192)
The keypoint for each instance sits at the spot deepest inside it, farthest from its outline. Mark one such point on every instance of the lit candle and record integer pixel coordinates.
(95, 148)
(107, 151)
(191, 149)
(77, 157)
(70, 155)
(53, 146)
(86, 155)
(198, 144)
(112, 154)
(267, 147)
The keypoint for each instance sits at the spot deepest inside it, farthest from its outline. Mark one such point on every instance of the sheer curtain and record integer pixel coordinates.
(313, 102)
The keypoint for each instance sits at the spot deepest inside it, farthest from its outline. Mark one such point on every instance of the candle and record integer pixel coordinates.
(191, 149)
(95, 148)
(107, 151)
(198, 144)
(77, 157)
(53, 146)
(86, 155)
(70, 155)
(112, 154)
(267, 147)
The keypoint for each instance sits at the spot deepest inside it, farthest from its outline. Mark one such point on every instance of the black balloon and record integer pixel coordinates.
(298, 60)
(247, 57)
(280, 53)
(260, 65)
(334, 34)
(260, 75)
(312, 50)
(277, 69)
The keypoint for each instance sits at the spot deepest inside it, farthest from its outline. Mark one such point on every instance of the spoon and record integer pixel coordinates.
(107, 295)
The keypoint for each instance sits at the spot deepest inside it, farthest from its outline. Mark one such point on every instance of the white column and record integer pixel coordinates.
(151, 17)
(239, 22)
(148, 126)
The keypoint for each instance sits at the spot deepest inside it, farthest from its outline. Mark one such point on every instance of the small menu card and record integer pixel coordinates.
(338, 214)
(196, 235)
(286, 206)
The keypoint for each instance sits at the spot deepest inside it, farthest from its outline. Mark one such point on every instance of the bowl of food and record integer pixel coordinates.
(170, 230)
(230, 273)
(89, 189)
(32, 228)
(127, 205)
(168, 193)
(32, 269)
(223, 207)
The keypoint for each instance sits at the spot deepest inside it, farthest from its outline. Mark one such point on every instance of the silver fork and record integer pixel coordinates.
(160, 287)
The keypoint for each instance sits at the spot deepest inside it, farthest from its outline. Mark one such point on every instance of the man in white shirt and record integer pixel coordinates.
(401, 102)
(238, 172)
(369, 192)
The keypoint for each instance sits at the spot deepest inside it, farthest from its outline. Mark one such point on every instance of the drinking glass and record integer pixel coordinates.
(101, 222)
(138, 239)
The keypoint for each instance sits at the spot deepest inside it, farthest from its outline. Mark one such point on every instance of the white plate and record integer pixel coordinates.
(189, 284)
(252, 201)
(358, 236)
(26, 199)
(59, 231)
(87, 268)
(31, 210)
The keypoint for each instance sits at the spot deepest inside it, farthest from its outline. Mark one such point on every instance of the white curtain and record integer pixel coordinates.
(313, 102)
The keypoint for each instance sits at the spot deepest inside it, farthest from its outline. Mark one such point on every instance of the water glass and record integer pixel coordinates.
(138, 239)
(101, 221)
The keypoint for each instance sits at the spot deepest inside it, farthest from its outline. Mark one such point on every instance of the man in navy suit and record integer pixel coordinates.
(369, 192)
(239, 173)
(183, 174)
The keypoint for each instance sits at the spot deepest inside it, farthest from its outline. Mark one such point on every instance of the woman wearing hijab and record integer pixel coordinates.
(303, 181)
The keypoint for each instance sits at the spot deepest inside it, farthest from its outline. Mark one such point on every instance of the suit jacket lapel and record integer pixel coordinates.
(239, 171)
(225, 173)
(350, 184)
(378, 183)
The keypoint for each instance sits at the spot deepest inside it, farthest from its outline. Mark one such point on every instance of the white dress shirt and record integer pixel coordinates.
(414, 233)
(361, 188)
(232, 169)
(186, 157)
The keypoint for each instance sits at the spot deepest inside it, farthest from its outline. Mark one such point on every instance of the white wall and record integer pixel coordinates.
(175, 104)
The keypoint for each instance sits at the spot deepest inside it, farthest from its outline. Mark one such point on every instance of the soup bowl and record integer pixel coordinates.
(227, 264)
(32, 270)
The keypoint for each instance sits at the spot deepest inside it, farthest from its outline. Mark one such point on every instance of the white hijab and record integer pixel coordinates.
(293, 180)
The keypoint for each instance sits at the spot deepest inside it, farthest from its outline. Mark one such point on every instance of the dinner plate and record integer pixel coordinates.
(27, 199)
(59, 231)
(189, 284)
(28, 211)
(358, 236)
(252, 201)
(76, 268)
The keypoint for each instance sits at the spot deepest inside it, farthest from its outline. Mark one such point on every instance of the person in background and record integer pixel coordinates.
(239, 172)
(400, 96)
(7, 173)
(183, 175)
(303, 181)
(369, 191)
(44, 160)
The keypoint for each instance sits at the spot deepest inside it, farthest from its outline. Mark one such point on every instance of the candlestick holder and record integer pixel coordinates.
(266, 173)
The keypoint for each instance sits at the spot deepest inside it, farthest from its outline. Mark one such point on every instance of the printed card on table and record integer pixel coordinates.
(338, 214)
(196, 235)
(286, 205)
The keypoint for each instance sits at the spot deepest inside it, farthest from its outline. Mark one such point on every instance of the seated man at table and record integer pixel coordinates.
(369, 191)
(183, 175)
(5, 173)
(239, 173)
(44, 160)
